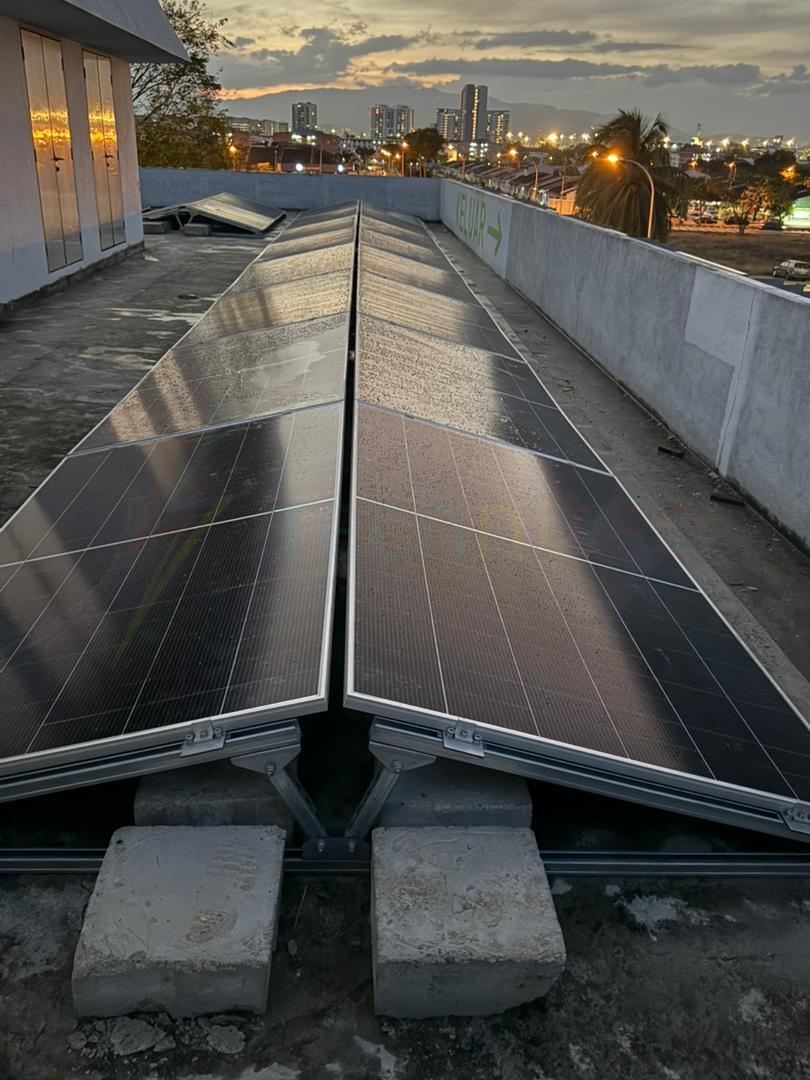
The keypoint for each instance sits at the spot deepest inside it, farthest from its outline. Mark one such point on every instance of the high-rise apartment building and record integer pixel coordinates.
(497, 125)
(448, 124)
(474, 113)
(304, 116)
(256, 127)
(390, 121)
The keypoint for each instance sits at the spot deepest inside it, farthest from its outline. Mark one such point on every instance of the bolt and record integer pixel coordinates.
(321, 847)
(352, 847)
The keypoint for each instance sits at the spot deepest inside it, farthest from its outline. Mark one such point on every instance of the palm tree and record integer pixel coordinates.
(618, 196)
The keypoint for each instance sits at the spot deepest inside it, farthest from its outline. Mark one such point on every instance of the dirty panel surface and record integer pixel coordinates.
(497, 584)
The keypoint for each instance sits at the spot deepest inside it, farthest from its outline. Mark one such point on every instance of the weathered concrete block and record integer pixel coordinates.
(196, 228)
(462, 923)
(214, 794)
(182, 920)
(452, 793)
(156, 228)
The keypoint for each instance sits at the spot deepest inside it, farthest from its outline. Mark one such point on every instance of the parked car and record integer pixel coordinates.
(792, 268)
(772, 223)
(705, 218)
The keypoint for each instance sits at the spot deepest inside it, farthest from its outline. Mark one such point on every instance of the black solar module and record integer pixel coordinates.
(179, 565)
(508, 603)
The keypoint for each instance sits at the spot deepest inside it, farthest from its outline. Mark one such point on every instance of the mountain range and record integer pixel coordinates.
(341, 109)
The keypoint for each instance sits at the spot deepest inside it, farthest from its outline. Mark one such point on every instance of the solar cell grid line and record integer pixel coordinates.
(187, 362)
(64, 712)
(242, 377)
(199, 551)
(528, 603)
(195, 575)
(174, 483)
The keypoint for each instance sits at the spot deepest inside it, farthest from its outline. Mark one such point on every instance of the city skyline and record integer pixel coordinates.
(717, 61)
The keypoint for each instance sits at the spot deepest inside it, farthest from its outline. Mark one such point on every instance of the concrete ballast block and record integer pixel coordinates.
(156, 228)
(217, 793)
(462, 922)
(453, 793)
(182, 920)
(196, 228)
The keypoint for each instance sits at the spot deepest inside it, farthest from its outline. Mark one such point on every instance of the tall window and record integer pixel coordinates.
(50, 128)
(104, 147)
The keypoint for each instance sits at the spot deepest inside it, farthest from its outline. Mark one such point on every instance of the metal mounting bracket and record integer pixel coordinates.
(393, 763)
(797, 818)
(273, 763)
(202, 738)
(463, 738)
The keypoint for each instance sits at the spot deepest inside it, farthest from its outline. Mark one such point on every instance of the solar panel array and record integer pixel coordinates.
(179, 564)
(222, 209)
(499, 572)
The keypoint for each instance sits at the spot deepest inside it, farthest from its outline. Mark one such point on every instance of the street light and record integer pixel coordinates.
(614, 159)
(513, 154)
(404, 153)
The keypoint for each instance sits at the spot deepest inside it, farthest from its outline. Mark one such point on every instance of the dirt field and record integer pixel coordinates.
(756, 252)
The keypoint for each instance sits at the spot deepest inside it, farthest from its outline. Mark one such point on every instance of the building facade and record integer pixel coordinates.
(69, 189)
(390, 121)
(474, 113)
(304, 116)
(498, 121)
(448, 124)
(257, 127)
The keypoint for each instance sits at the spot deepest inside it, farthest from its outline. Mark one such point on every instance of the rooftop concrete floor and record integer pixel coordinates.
(677, 980)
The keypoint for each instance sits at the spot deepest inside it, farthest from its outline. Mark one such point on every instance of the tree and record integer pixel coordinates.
(424, 145)
(618, 195)
(178, 119)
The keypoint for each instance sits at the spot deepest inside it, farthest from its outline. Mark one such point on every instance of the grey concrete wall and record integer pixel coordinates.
(722, 359)
(23, 262)
(293, 191)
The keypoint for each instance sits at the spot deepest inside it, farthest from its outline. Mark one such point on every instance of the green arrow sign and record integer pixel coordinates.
(495, 233)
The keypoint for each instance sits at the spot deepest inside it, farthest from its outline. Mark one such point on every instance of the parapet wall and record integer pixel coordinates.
(293, 191)
(723, 360)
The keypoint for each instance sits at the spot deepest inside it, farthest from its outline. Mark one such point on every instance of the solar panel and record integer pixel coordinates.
(179, 565)
(510, 605)
(223, 209)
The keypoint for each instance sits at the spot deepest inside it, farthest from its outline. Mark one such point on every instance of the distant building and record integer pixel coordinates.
(799, 216)
(390, 121)
(448, 124)
(474, 113)
(304, 116)
(69, 167)
(257, 127)
(497, 125)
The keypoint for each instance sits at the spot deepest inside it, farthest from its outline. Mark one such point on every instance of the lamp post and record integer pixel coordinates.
(514, 154)
(404, 153)
(614, 159)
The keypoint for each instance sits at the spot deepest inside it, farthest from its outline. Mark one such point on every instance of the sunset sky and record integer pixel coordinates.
(727, 63)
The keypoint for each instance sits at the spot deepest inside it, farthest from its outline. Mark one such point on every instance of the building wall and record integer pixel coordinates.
(720, 358)
(23, 263)
(293, 191)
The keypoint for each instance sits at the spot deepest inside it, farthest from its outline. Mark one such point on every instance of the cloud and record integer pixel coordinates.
(243, 42)
(323, 56)
(535, 38)
(796, 81)
(637, 46)
(729, 75)
(525, 69)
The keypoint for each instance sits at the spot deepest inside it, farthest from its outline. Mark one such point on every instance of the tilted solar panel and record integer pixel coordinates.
(508, 602)
(178, 567)
(223, 209)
